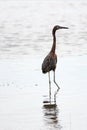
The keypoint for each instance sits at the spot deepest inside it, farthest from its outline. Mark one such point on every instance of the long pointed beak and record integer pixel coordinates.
(63, 27)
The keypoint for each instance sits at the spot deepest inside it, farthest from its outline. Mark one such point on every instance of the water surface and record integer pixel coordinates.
(26, 26)
(25, 38)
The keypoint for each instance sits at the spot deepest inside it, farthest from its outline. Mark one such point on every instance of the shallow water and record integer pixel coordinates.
(25, 38)
(23, 88)
(25, 27)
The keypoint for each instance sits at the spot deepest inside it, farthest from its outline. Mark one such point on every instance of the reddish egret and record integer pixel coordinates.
(50, 61)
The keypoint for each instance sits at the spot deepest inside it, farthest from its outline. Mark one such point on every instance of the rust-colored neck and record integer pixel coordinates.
(54, 42)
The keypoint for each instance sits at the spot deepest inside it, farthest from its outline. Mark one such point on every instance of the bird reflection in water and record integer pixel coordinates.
(51, 112)
(51, 119)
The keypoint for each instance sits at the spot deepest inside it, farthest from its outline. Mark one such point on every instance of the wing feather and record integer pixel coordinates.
(49, 63)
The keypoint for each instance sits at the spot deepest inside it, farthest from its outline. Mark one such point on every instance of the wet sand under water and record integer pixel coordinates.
(23, 88)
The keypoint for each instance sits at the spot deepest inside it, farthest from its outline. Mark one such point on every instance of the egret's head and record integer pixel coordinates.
(57, 27)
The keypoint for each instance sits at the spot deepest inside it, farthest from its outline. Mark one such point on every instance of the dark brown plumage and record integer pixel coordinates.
(50, 60)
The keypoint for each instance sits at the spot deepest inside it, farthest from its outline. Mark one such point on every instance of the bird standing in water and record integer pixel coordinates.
(50, 61)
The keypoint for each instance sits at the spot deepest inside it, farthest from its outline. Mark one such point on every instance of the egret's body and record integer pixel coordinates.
(50, 60)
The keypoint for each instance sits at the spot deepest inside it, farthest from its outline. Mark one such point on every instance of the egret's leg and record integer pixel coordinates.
(57, 88)
(49, 87)
(55, 81)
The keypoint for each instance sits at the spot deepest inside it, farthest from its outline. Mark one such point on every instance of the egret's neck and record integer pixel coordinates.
(54, 43)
